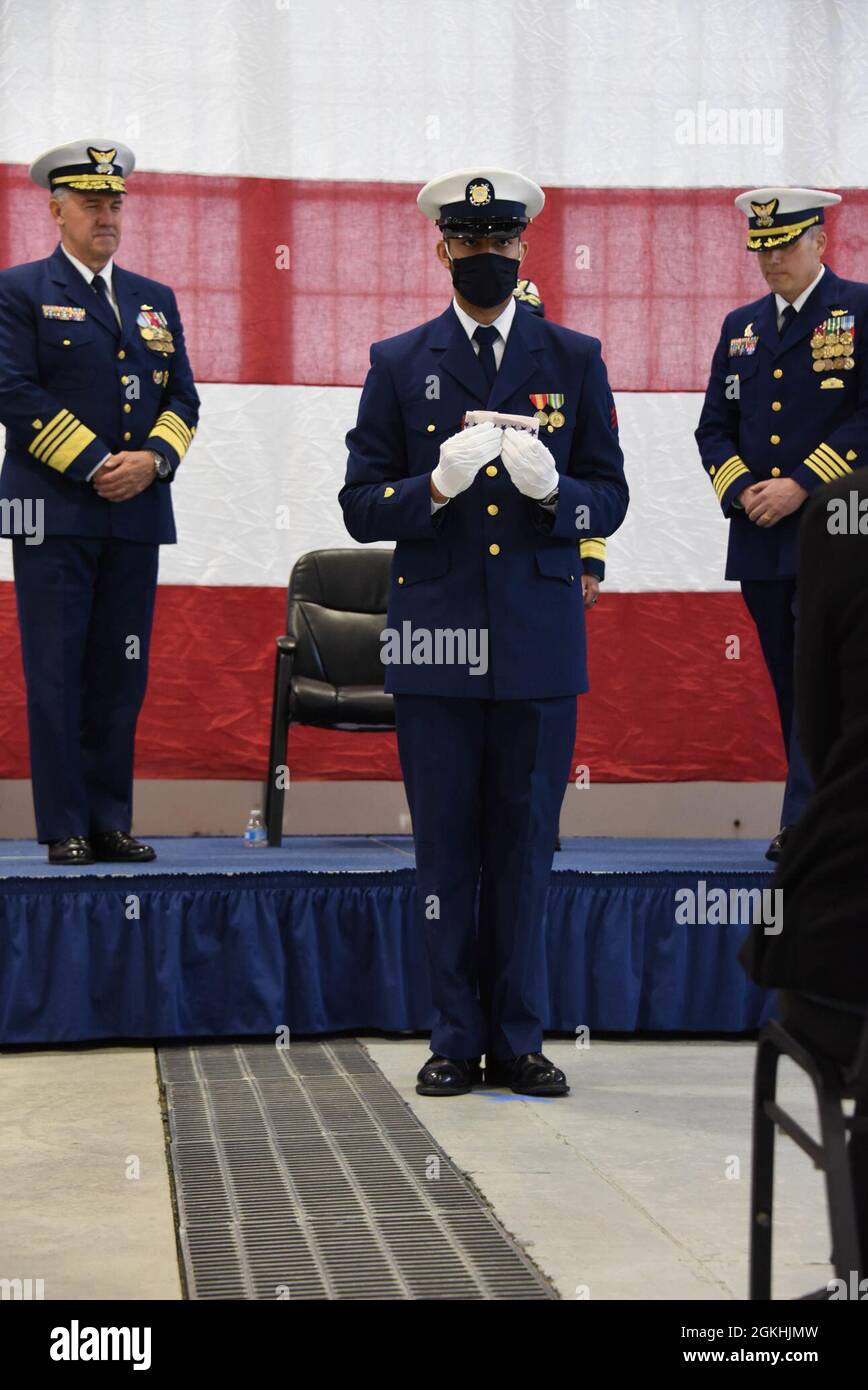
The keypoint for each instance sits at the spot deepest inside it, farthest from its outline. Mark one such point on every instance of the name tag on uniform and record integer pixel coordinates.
(63, 311)
(742, 347)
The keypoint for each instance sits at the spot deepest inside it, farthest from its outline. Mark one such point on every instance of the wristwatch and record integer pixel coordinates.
(163, 467)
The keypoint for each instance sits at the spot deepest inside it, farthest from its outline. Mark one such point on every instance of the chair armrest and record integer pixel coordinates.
(286, 645)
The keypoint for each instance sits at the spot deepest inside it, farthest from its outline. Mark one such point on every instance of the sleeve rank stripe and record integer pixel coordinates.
(822, 468)
(165, 428)
(73, 445)
(164, 431)
(169, 417)
(175, 422)
(826, 452)
(48, 431)
(593, 549)
(47, 448)
(730, 470)
(727, 475)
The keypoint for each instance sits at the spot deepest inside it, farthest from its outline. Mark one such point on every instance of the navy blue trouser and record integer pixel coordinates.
(773, 605)
(485, 780)
(85, 607)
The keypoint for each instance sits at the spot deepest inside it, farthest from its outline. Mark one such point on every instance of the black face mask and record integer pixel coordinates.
(485, 279)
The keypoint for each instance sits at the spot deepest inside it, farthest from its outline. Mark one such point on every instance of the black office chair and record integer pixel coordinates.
(833, 1083)
(328, 671)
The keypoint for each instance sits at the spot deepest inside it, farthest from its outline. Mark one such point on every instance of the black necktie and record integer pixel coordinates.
(100, 289)
(790, 315)
(486, 337)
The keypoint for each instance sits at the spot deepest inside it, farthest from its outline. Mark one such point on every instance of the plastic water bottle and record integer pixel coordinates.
(255, 834)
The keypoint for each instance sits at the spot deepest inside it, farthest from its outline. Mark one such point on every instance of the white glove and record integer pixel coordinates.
(529, 463)
(462, 456)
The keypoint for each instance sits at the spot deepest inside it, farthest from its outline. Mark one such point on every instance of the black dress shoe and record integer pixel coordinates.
(557, 842)
(774, 850)
(75, 849)
(448, 1076)
(116, 847)
(531, 1074)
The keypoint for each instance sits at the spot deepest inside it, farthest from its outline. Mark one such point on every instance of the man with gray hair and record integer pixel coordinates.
(99, 405)
(786, 411)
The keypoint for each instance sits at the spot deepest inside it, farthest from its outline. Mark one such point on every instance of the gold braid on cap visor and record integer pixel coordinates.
(91, 182)
(778, 236)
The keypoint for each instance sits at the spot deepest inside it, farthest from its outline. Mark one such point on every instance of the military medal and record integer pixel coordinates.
(154, 329)
(539, 401)
(556, 419)
(832, 342)
(745, 346)
(63, 311)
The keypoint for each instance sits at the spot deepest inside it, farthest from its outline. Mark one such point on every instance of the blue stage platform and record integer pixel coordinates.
(215, 939)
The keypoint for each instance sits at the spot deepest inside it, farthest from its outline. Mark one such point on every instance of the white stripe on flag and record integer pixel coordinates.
(259, 488)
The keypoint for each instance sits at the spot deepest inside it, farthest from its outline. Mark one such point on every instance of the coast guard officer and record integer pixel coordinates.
(484, 644)
(99, 405)
(786, 411)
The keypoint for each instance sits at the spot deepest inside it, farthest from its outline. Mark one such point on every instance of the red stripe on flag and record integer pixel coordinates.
(288, 282)
(667, 704)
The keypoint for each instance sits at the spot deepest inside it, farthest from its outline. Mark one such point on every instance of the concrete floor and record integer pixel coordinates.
(618, 1191)
(84, 1190)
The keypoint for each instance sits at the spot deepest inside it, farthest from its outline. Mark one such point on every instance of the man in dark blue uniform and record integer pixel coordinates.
(484, 643)
(99, 405)
(786, 411)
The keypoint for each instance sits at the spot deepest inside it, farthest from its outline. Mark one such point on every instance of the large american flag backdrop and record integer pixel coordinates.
(280, 149)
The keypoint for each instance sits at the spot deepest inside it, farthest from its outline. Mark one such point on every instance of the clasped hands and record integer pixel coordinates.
(768, 502)
(528, 462)
(125, 475)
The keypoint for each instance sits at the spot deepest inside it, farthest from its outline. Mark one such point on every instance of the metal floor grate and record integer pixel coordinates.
(301, 1173)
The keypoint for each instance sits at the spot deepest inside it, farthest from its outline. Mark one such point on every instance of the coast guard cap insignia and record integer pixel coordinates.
(479, 193)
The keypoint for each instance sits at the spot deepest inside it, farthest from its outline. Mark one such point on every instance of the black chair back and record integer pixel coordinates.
(336, 610)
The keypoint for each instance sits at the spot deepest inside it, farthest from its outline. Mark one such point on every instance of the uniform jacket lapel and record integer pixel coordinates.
(812, 312)
(128, 295)
(521, 358)
(455, 355)
(64, 273)
(765, 324)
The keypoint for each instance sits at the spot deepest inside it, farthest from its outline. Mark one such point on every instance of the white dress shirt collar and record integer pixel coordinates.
(797, 303)
(86, 271)
(503, 323)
